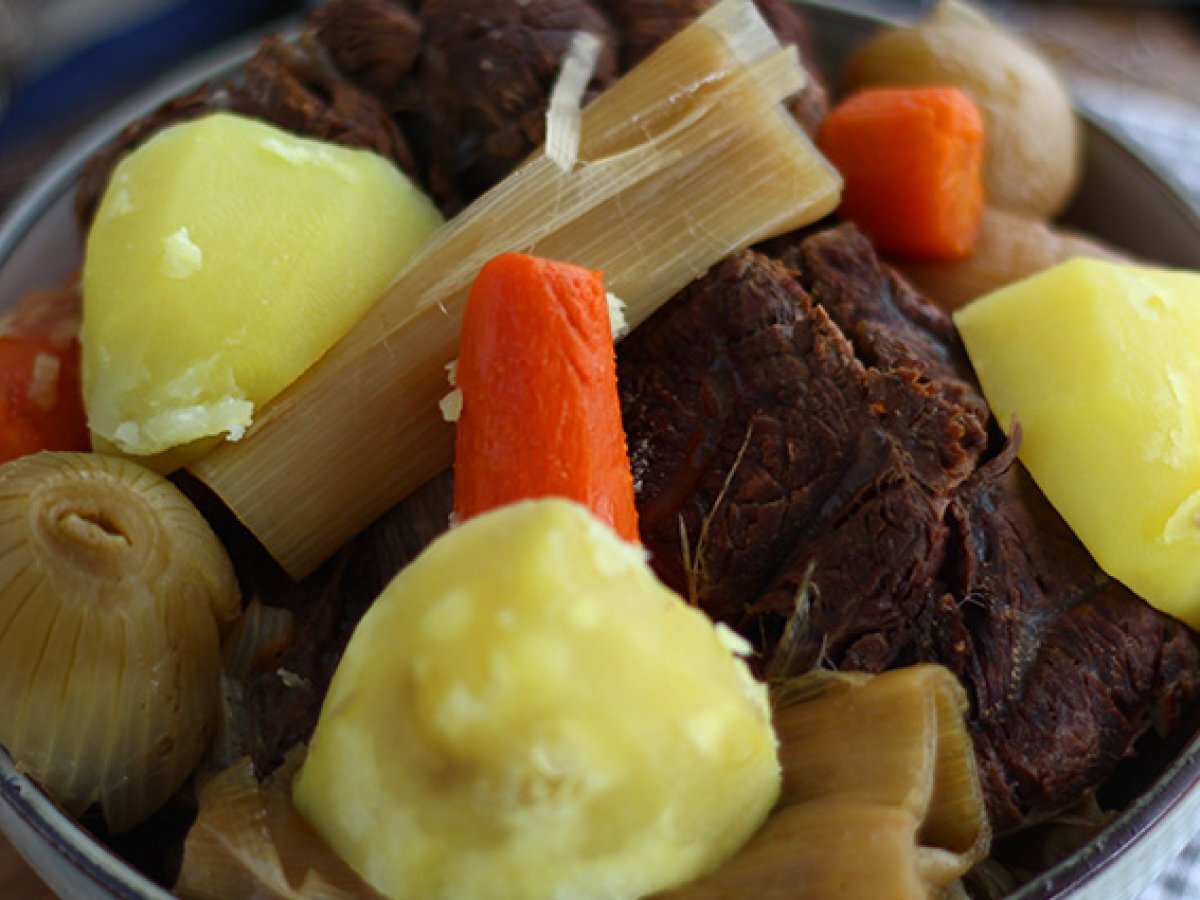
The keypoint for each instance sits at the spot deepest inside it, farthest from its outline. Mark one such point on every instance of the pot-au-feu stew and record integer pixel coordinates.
(814, 583)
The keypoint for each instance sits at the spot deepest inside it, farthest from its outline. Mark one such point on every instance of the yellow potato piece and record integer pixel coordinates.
(1098, 362)
(527, 712)
(226, 257)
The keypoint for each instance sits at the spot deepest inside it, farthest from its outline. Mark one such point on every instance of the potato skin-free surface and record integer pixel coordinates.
(225, 258)
(527, 712)
(1097, 362)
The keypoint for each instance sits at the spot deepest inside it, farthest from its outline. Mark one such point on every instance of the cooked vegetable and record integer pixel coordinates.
(1097, 363)
(840, 847)
(540, 416)
(564, 109)
(41, 406)
(881, 798)
(527, 712)
(1010, 247)
(115, 592)
(911, 158)
(697, 129)
(1031, 162)
(897, 739)
(226, 257)
(260, 634)
(249, 841)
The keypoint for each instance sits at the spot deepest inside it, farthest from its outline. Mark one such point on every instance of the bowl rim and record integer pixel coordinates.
(1174, 786)
(115, 877)
(59, 173)
(90, 859)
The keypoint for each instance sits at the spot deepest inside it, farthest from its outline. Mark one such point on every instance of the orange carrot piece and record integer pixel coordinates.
(912, 161)
(41, 402)
(540, 414)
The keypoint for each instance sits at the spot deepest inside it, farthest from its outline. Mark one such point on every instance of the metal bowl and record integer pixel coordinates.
(1122, 198)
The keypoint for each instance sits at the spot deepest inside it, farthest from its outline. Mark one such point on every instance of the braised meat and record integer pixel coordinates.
(814, 467)
(486, 76)
(374, 43)
(745, 389)
(1065, 667)
(455, 93)
(292, 87)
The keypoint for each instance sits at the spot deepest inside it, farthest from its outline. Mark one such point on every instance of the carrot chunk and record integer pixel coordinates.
(540, 414)
(41, 402)
(912, 160)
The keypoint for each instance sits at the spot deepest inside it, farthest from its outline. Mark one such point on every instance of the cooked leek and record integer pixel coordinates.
(248, 841)
(688, 158)
(564, 114)
(837, 846)
(881, 798)
(261, 632)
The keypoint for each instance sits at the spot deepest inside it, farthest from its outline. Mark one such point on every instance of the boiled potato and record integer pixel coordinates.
(225, 258)
(1097, 361)
(527, 712)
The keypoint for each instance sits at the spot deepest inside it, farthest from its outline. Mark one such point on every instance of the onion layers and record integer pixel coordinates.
(113, 594)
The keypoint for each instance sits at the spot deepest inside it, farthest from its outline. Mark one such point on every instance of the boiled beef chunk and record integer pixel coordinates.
(1052, 650)
(893, 329)
(374, 43)
(454, 92)
(815, 467)
(718, 391)
(755, 431)
(486, 74)
(300, 91)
